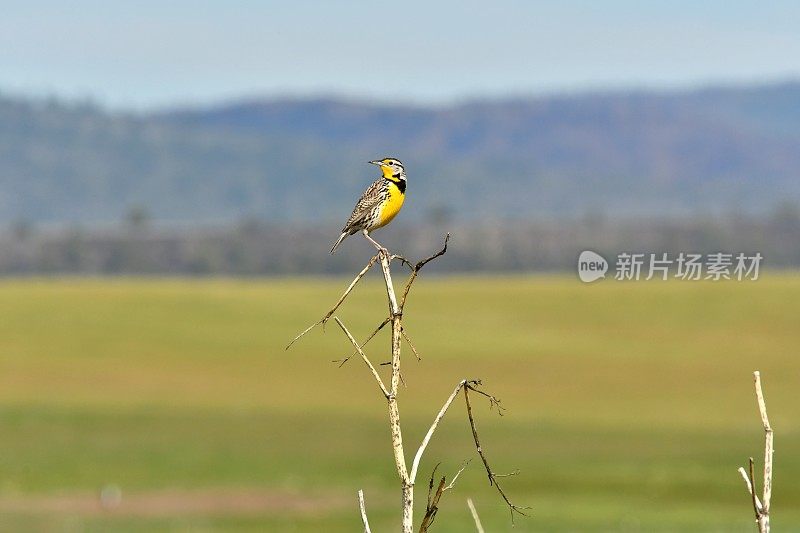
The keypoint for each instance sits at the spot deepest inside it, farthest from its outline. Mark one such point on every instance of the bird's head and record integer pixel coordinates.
(392, 168)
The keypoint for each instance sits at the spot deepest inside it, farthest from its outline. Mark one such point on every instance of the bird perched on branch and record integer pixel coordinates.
(379, 204)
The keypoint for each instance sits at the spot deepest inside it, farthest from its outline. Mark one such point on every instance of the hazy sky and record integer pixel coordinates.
(154, 53)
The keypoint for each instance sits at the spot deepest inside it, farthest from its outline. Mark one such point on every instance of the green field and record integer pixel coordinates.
(629, 406)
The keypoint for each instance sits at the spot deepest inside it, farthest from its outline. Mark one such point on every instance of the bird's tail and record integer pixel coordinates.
(341, 238)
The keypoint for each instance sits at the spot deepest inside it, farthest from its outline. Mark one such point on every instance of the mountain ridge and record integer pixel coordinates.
(627, 152)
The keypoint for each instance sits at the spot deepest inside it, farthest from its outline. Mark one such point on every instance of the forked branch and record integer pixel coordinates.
(394, 307)
(468, 385)
(390, 393)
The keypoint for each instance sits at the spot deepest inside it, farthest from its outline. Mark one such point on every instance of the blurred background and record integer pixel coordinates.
(173, 175)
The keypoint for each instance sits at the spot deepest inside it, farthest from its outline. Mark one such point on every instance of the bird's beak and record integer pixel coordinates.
(379, 163)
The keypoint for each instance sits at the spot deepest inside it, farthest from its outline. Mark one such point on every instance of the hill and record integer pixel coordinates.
(623, 153)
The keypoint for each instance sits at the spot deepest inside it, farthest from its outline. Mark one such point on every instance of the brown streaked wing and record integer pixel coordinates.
(368, 201)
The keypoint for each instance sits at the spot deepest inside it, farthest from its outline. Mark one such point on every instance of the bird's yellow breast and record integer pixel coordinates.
(392, 205)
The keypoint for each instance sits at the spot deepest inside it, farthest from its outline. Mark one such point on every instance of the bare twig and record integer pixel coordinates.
(346, 293)
(410, 344)
(363, 511)
(455, 478)
(757, 507)
(403, 260)
(494, 402)
(432, 505)
(440, 253)
(470, 386)
(478, 526)
(429, 434)
(416, 268)
(768, 444)
(749, 486)
(761, 508)
(364, 357)
(374, 332)
(430, 484)
(402, 381)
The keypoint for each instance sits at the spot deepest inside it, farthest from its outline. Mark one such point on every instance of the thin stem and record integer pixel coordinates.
(394, 309)
(371, 335)
(364, 357)
(411, 344)
(749, 486)
(455, 478)
(768, 444)
(342, 298)
(434, 425)
(761, 508)
(469, 386)
(432, 505)
(756, 504)
(416, 268)
(407, 487)
(363, 511)
(478, 526)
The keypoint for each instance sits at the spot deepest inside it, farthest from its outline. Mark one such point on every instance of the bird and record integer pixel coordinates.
(379, 204)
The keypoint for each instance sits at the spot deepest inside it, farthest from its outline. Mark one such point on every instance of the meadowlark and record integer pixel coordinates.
(379, 204)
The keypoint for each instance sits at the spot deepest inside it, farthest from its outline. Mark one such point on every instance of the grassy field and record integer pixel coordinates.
(629, 406)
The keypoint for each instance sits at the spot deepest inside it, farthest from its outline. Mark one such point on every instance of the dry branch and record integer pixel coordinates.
(342, 298)
(417, 267)
(432, 505)
(761, 508)
(749, 485)
(470, 386)
(768, 444)
(429, 434)
(374, 332)
(410, 344)
(395, 315)
(363, 511)
(407, 478)
(455, 478)
(364, 357)
(475, 517)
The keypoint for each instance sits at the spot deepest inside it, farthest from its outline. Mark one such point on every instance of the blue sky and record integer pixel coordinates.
(153, 53)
